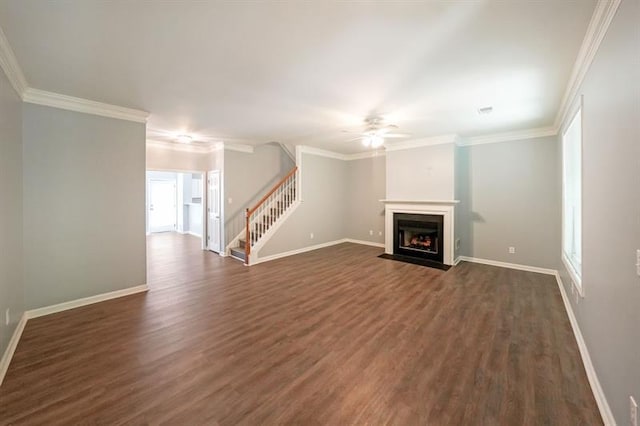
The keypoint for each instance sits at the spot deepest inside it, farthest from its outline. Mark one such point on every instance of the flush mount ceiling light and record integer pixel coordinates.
(485, 110)
(184, 139)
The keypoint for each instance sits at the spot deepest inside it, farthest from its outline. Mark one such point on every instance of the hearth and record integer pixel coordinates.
(418, 236)
(441, 211)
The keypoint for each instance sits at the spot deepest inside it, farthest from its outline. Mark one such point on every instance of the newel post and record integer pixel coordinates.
(247, 245)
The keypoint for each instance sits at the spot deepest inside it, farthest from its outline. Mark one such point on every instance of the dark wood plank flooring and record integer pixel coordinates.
(334, 336)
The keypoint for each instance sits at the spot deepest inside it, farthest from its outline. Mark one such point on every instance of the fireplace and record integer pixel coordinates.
(418, 236)
(429, 250)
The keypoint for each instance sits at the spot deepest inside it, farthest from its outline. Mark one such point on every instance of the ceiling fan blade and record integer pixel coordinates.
(397, 135)
(386, 129)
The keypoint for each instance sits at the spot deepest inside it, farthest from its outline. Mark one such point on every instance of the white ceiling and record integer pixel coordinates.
(302, 72)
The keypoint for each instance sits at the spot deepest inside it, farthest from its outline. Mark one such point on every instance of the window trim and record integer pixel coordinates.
(576, 276)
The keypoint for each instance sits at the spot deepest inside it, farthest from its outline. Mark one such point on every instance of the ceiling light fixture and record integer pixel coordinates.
(373, 140)
(184, 138)
(485, 110)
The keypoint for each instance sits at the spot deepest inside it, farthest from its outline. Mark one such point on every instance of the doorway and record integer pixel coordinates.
(214, 212)
(162, 205)
(175, 203)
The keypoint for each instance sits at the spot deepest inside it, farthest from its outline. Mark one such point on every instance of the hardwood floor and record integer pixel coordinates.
(334, 336)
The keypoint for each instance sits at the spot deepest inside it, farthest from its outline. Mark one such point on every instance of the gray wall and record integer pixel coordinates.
(366, 179)
(510, 197)
(424, 173)
(462, 223)
(609, 314)
(167, 159)
(84, 208)
(11, 283)
(247, 178)
(323, 208)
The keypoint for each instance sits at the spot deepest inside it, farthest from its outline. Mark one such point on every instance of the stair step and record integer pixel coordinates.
(238, 253)
(271, 216)
(242, 244)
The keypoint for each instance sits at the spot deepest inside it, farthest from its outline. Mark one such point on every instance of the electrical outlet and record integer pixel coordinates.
(638, 262)
(230, 200)
(311, 236)
(7, 316)
(633, 413)
(457, 243)
(380, 233)
(512, 250)
(370, 231)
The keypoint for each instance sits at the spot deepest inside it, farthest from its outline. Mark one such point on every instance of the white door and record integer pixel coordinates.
(162, 205)
(213, 209)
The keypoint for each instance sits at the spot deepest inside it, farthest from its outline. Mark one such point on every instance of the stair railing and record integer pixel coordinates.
(260, 217)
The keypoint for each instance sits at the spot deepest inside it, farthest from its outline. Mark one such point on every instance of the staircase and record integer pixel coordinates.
(267, 212)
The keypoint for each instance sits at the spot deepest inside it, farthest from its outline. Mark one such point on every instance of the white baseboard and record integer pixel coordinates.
(315, 247)
(11, 348)
(596, 388)
(234, 242)
(192, 233)
(272, 231)
(363, 242)
(457, 260)
(601, 400)
(507, 265)
(35, 313)
(298, 251)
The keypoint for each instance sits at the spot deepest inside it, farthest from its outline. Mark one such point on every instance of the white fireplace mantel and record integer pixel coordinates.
(440, 202)
(434, 207)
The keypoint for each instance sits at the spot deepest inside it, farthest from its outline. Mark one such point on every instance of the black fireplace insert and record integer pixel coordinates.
(419, 236)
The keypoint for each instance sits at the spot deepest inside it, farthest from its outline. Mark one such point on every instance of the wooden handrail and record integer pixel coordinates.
(249, 212)
(277, 185)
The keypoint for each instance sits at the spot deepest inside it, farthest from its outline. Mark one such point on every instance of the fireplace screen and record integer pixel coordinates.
(421, 239)
(418, 235)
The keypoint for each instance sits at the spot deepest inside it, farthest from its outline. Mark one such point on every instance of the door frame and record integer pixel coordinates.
(206, 245)
(203, 213)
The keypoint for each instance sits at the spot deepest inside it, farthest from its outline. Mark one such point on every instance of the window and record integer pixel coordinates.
(572, 198)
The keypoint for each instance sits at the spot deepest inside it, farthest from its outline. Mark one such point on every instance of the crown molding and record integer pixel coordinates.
(238, 147)
(304, 149)
(56, 100)
(364, 155)
(417, 143)
(509, 136)
(199, 149)
(10, 66)
(181, 147)
(600, 20)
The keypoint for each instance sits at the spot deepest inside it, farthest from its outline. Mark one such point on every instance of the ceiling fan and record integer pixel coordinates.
(376, 131)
